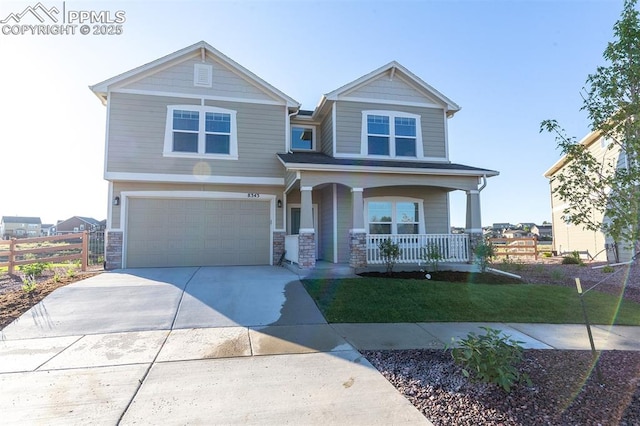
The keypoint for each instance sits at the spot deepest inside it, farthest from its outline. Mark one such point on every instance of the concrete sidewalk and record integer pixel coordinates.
(222, 346)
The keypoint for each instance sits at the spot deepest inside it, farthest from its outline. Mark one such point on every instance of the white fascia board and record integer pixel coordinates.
(450, 105)
(195, 96)
(387, 157)
(174, 178)
(586, 141)
(387, 170)
(388, 102)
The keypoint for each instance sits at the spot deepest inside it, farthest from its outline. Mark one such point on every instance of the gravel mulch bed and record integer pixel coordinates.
(565, 389)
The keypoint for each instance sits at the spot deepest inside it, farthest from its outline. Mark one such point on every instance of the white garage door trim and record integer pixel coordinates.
(199, 195)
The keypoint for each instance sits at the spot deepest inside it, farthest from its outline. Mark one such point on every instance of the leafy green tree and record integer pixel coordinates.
(610, 187)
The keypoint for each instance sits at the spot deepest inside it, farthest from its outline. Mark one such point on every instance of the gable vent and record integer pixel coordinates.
(202, 75)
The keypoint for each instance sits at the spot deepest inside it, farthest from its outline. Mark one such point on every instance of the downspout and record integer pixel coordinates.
(287, 143)
(484, 183)
(287, 137)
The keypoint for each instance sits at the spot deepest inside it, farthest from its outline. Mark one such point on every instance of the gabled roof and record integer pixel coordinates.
(88, 220)
(320, 161)
(393, 68)
(21, 219)
(587, 141)
(101, 89)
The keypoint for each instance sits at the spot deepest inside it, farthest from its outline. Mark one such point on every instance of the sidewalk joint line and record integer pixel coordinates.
(155, 358)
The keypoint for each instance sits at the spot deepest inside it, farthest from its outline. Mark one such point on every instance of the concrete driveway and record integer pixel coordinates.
(223, 345)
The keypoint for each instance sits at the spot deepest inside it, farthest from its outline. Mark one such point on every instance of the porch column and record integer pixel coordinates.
(306, 235)
(358, 233)
(474, 223)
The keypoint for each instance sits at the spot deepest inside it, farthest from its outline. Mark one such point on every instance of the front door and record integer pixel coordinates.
(294, 221)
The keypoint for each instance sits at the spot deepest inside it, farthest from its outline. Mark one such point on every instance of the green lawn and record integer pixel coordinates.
(398, 300)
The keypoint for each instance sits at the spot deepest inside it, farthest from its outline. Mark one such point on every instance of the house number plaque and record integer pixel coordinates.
(253, 195)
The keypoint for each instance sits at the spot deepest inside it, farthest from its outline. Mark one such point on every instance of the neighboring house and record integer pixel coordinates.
(515, 233)
(567, 237)
(47, 229)
(542, 231)
(208, 164)
(500, 227)
(20, 227)
(77, 224)
(525, 226)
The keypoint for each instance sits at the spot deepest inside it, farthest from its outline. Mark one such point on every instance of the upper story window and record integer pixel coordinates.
(303, 137)
(200, 131)
(391, 134)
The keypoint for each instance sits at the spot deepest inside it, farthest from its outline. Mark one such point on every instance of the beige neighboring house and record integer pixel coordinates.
(208, 164)
(567, 237)
(19, 227)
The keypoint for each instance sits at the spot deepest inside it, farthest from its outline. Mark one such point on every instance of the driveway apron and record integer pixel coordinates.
(210, 345)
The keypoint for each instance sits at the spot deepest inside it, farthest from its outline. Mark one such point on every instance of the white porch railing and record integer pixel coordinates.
(452, 247)
(291, 248)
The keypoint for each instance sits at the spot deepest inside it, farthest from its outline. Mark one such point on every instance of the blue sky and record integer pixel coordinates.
(508, 64)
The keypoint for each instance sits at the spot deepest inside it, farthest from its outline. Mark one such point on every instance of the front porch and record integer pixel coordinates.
(447, 248)
(339, 210)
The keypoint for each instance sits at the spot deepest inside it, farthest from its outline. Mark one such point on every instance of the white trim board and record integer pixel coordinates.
(174, 178)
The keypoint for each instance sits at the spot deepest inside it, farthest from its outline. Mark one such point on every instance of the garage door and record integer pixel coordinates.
(189, 232)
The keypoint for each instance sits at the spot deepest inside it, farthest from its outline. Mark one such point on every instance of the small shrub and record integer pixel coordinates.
(608, 269)
(71, 272)
(557, 275)
(432, 255)
(484, 252)
(56, 277)
(546, 254)
(491, 358)
(29, 284)
(390, 253)
(34, 269)
(571, 260)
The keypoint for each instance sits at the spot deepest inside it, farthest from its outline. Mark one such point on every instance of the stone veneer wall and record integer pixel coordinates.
(307, 250)
(113, 250)
(357, 249)
(475, 238)
(278, 246)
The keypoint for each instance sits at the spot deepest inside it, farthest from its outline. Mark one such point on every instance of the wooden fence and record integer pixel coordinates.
(66, 247)
(515, 247)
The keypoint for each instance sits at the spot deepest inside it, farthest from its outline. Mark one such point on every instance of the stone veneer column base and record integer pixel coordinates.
(475, 239)
(113, 250)
(307, 250)
(278, 246)
(357, 249)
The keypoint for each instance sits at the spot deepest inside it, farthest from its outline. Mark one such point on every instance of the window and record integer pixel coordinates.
(391, 134)
(302, 138)
(200, 131)
(394, 216)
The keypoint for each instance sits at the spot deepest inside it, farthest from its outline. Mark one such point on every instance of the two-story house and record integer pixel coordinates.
(208, 164)
(568, 237)
(19, 227)
(77, 224)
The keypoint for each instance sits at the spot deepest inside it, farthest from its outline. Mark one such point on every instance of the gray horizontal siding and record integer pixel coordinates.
(137, 128)
(391, 90)
(349, 126)
(179, 78)
(435, 203)
(326, 141)
(345, 223)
